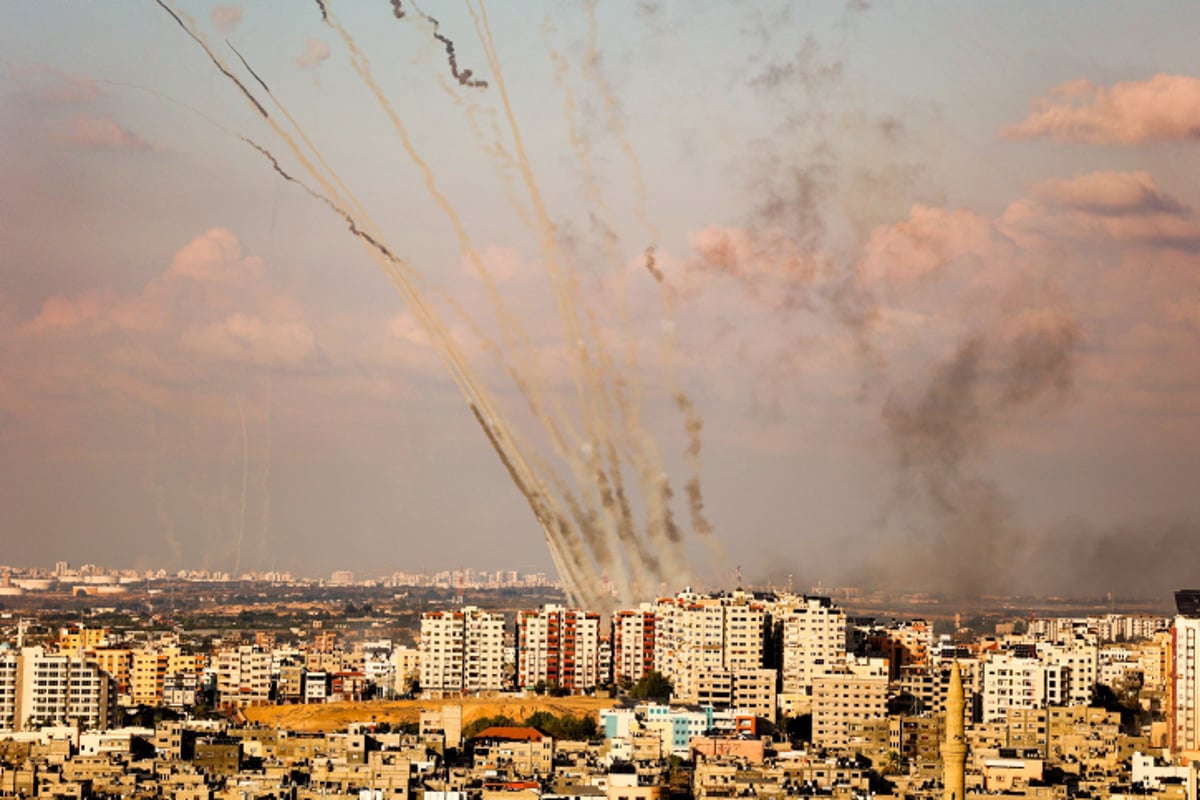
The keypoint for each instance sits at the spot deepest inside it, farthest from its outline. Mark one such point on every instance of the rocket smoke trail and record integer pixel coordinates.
(462, 76)
(588, 523)
(237, 563)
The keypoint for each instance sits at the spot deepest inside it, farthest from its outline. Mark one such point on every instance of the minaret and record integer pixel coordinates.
(954, 749)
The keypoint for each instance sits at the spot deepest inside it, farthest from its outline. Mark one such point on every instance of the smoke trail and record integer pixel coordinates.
(510, 327)
(651, 265)
(462, 76)
(265, 481)
(325, 12)
(237, 562)
(216, 61)
(397, 9)
(161, 509)
(249, 69)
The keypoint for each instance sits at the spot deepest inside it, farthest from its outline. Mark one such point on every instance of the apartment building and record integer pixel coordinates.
(632, 643)
(813, 641)
(243, 677)
(847, 699)
(1011, 680)
(558, 646)
(39, 688)
(461, 651)
(698, 634)
(1184, 722)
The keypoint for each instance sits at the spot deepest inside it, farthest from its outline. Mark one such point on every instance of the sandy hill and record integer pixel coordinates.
(336, 716)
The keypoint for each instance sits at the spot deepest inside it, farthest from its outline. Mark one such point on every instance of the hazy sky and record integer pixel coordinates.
(930, 277)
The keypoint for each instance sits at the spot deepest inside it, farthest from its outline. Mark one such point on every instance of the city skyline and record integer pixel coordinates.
(927, 278)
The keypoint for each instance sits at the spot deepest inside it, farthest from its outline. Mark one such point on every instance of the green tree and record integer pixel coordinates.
(652, 686)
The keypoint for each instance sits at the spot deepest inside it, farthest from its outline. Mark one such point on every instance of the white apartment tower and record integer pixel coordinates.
(39, 688)
(1010, 681)
(814, 641)
(1185, 675)
(699, 635)
(461, 651)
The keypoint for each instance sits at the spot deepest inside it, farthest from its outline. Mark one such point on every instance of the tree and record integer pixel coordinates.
(652, 686)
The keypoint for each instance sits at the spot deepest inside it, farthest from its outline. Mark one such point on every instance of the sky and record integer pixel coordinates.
(875, 294)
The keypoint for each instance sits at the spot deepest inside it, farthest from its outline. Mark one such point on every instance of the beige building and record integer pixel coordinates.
(243, 677)
(850, 697)
(698, 634)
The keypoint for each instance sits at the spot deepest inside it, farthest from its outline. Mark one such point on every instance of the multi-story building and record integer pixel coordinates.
(147, 670)
(813, 642)
(1079, 658)
(848, 699)
(1184, 723)
(461, 651)
(1010, 680)
(558, 646)
(243, 677)
(632, 643)
(38, 688)
(697, 634)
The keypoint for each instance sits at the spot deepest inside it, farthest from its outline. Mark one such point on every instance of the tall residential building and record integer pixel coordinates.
(559, 646)
(39, 688)
(461, 651)
(813, 641)
(1185, 675)
(243, 677)
(698, 634)
(632, 643)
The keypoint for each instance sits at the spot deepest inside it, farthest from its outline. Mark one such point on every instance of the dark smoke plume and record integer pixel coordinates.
(324, 11)
(938, 435)
(464, 76)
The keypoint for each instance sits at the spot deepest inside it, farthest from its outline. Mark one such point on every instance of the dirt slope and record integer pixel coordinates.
(336, 716)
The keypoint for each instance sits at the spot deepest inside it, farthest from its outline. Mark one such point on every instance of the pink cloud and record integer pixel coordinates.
(768, 264)
(315, 51)
(925, 243)
(102, 132)
(215, 257)
(1118, 206)
(1109, 193)
(226, 17)
(1163, 108)
(250, 339)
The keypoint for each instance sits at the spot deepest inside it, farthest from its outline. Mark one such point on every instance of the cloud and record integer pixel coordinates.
(315, 51)
(215, 257)
(102, 132)
(923, 244)
(67, 88)
(1103, 206)
(1162, 109)
(1109, 194)
(226, 17)
(250, 339)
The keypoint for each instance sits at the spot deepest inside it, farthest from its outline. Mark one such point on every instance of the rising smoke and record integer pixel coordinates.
(586, 514)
